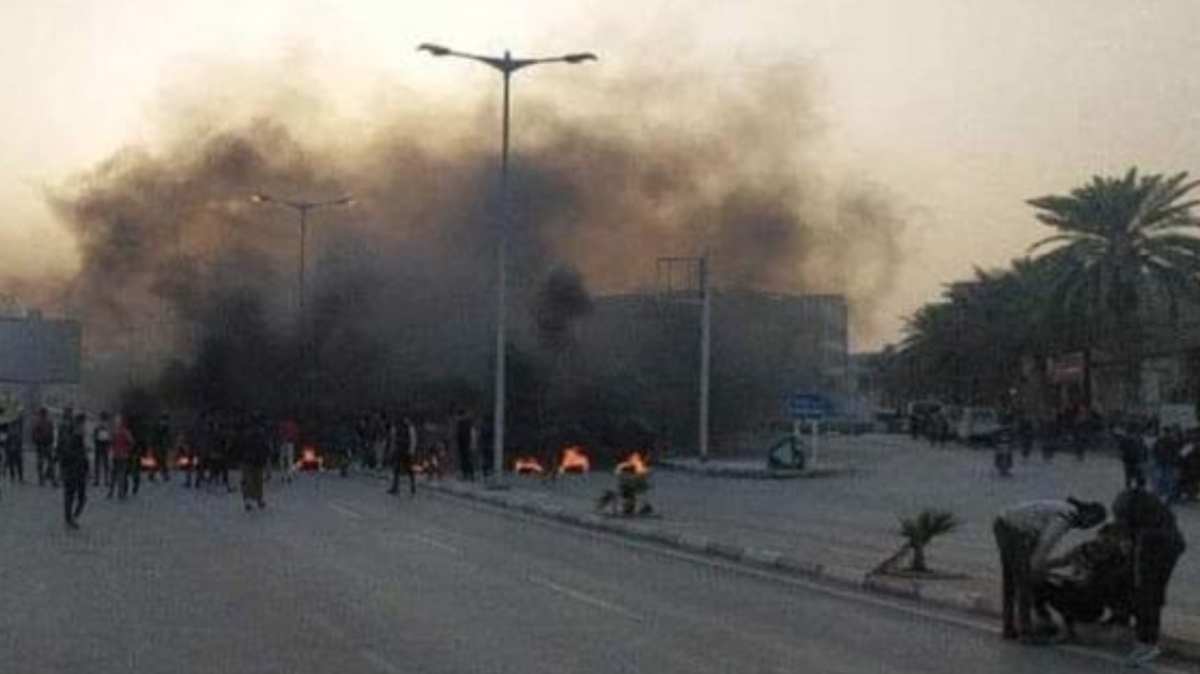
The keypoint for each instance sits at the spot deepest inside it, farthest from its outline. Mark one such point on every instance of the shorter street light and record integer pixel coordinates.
(301, 207)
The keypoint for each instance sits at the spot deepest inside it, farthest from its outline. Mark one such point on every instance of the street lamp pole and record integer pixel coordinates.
(507, 65)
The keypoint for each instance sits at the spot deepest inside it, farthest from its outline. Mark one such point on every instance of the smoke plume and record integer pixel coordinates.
(175, 257)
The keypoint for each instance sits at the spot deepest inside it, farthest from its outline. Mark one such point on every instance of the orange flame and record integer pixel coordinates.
(184, 461)
(574, 461)
(527, 465)
(147, 462)
(635, 464)
(309, 460)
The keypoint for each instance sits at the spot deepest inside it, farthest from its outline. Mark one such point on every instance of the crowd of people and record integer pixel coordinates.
(125, 449)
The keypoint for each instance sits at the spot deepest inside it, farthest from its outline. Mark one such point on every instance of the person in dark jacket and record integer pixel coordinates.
(1157, 545)
(1133, 455)
(64, 431)
(1166, 463)
(16, 448)
(254, 450)
(462, 441)
(74, 462)
(160, 444)
(14, 458)
(403, 446)
(43, 445)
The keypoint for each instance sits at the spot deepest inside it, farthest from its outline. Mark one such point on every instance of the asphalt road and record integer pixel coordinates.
(335, 576)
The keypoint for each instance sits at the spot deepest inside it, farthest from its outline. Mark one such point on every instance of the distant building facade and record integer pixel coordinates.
(764, 346)
(40, 360)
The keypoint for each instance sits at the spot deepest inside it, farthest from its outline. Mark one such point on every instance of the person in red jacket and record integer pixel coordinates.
(122, 452)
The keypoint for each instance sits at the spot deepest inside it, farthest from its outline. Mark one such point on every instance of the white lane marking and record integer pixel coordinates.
(585, 598)
(377, 660)
(435, 543)
(860, 596)
(352, 514)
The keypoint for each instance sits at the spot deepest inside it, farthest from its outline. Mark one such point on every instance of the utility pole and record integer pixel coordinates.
(705, 355)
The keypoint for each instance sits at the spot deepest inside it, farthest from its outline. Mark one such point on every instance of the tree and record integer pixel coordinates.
(1118, 242)
(968, 346)
(917, 533)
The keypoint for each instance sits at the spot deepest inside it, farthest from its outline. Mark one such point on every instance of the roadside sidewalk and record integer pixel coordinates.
(840, 526)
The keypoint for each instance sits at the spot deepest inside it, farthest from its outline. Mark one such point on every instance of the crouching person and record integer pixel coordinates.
(1026, 534)
(1096, 578)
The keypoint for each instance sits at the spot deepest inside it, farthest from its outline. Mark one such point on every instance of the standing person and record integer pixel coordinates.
(1025, 436)
(217, 469)
(14, 457)
(63, 433)
(1026, 535)
(486, 447)
(122, 454)
(160, 442)
(194, 443)
(72, 454)
(43, 445)
(254, 450)
(140, 431)
(101, 444)
(1133, 455)
(1079, 429)
(209, 452)
(16, 445)
(230, 450)
(289, 440)
(1003, 457)
(362, 432)
(404, 454)
(476, 445)
(1166, 462)
(1157, 546)
(462, 439)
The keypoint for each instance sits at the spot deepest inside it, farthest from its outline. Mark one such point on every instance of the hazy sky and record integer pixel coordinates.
(960, 109)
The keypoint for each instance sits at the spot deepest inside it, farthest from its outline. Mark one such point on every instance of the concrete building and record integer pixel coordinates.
(765, 346)
(39, 360)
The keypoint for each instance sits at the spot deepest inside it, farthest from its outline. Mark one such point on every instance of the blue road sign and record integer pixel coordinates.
(809, 406)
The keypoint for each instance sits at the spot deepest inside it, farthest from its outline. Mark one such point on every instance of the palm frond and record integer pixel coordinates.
(927, 525)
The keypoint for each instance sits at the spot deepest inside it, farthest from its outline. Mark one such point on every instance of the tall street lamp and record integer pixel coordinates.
(507, 65)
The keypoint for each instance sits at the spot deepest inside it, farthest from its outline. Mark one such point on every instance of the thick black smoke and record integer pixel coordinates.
(561, 301)
(400, 286)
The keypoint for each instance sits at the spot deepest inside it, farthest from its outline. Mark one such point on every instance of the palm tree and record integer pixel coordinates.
(1119, 241)
(967, 347)
(917, 533)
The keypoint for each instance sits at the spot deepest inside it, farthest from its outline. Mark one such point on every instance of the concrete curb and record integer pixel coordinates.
(966, 602)
(745, 473)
